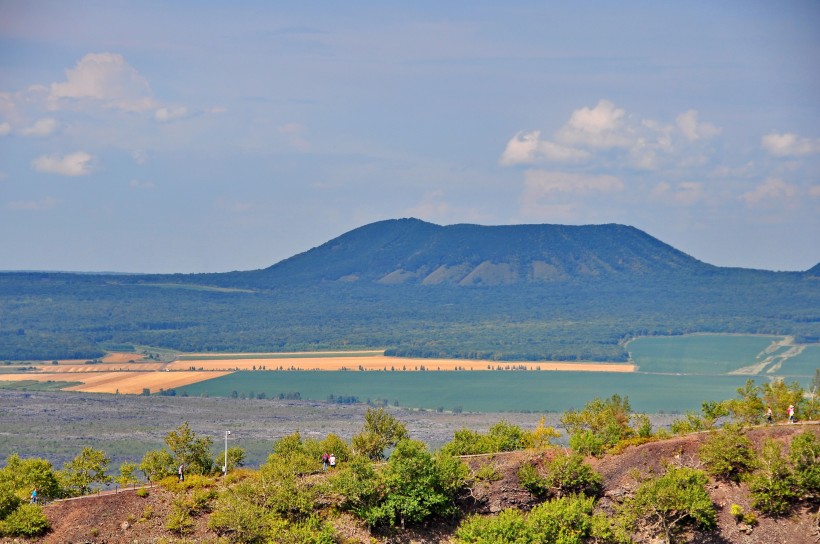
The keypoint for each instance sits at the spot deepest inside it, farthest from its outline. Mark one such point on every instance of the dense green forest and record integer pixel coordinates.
(48, 316)
(528, 292)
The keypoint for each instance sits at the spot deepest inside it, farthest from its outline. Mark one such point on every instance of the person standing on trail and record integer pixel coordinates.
(34, 496)
(325, 461)
(181, 472)
(791, 413)
(769, 415)
(332, 460)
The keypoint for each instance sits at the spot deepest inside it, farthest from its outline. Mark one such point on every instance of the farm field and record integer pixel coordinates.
(374, 361)
(671, 374)
(478, 391)
(716, 354)
(118, 382)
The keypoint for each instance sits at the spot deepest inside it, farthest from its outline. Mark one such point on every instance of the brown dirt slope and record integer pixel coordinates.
(126, 518)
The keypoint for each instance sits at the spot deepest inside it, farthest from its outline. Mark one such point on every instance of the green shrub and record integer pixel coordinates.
(502, 436)
(358, 485)
(585, 442)
(727, 453)
(566, 474)
(669, 501)
(737, 512)
(142, 492)
(772, 484)
(27, 520)
(379, 432)
(9, 501)
(600, 425)
(179, 521)
(487, 473)
(561, 521)
(804, 454)
(508, 527)
(238, 519)
(415, 486)
(309, 531)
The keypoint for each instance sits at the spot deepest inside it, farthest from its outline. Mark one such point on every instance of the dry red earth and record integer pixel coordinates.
(126, 518)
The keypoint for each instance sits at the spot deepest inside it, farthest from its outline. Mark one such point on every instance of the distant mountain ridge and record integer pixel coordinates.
(411, 251)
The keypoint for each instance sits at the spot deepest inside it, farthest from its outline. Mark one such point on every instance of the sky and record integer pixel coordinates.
(202, 136)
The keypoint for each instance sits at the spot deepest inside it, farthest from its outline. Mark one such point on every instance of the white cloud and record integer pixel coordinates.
(790, 145)
(685, 193)
(771, 191)
(693, 129)
(538, 183)
(169, 114)
(5, 129)
(73, 164)
(620, 139)
(104, 77)
(42, 127)
(598, 127)
(33, 205)
(528, 148)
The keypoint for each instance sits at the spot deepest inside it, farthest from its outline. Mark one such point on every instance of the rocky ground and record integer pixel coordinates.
(126, 518)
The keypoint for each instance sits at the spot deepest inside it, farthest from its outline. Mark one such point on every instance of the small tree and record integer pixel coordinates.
(667, 502)
(417, 486)
(380, 431)
(541, 436)
(748, 408)
(727, 453)
(157, 464)
(186, 447)
(89, 467)
(600, 425)
(778, 396)
(772, 484)
(127, 476)
(804, 454)
(25, 474)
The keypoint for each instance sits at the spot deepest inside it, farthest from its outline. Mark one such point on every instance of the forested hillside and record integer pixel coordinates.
(525, 292)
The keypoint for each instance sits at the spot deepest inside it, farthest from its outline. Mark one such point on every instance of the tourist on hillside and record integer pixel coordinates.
(325, 461)
(791, 413)
(181, 472)
(332, 460)
(34, 496)
(769, 415)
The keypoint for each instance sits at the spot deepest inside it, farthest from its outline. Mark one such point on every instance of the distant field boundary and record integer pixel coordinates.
(276, 355)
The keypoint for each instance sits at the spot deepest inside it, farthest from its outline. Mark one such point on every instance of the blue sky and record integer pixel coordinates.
(213, 136)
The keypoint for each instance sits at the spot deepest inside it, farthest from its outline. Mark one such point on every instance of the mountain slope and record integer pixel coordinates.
(410, 251)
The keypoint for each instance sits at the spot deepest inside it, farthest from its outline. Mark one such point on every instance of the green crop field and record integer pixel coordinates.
(700, 353)
(804, 364)
(484, 391)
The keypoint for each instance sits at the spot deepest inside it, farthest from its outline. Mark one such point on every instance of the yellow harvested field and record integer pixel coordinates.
(118, 357)
(386, 363)
(101, 367)
(124, 382)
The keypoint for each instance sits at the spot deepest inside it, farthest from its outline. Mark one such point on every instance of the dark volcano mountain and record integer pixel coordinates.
(410, 251)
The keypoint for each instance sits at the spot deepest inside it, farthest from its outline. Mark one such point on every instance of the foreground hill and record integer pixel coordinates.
(127, 518)
(522, 292)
